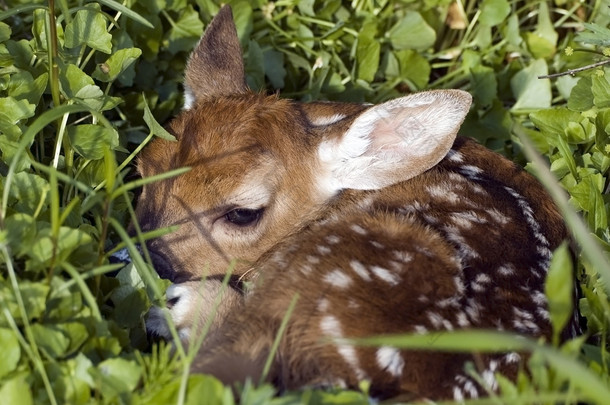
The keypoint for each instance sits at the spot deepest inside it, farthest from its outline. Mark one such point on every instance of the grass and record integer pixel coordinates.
(83, 86)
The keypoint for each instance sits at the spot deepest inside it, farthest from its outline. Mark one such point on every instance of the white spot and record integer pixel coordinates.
(498, 216)
(473, 309)
(333, 239)
(467, 218)
(456, 178)
(507, 270)
(306, 269)
(326, 120)
(477, 189)
(189, 98)
(358, 229)
(313, 259)
(360, 270)
(449, 302)
(472, 172)
(376, 244)
(330, 326)
(420, 329)
(437, 321)
(539, 298)
(471, 389)
(455, 156)
(483, 278)
(443, 192)
(462, 320)
(323, 305)
(459, 285)
(338, 279)
(404, 257)
(390, 360)
(512, 358)
(323, 250)
(385, 275)
(458, 395)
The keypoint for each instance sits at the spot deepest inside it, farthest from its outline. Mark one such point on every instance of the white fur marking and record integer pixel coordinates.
(360, 270)
(326, 120)
(385, 275)
(338, 279)
(390, 360)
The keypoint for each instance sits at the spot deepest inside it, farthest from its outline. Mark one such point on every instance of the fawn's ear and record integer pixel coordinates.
(216, 66)
(394, 141)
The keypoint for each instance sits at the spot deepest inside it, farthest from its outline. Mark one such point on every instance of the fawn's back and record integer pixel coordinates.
(378, 218)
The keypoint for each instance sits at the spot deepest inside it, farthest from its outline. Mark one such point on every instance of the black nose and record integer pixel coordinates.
(160, 263)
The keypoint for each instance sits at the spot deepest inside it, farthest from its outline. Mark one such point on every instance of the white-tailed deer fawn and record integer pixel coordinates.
(378, 217)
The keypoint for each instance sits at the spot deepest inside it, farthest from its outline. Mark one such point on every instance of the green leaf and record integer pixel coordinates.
(72, 80)
(11, 352)
(11, 112)
(116, 64)
(274, 68)
(559, 288)
(68, 239)
(52, 340)
(601, 91)
(255, 68)
(493, 12)
(412, 32)
(581, 96)
(154, 126)
(88, 28)
(484, 85)
(553, 122)
(306, 7)
(16, 391)
(595, 35)
(531, 92)
(413, 68)
(28, 192)
(90, 141)
(185, 32)
(21, 230)
(5, 32)
(542, 42)
(367, 56)
(117, 376)
(23, 86)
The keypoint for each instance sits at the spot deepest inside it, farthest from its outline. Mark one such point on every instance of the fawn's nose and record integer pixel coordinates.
(160, 263)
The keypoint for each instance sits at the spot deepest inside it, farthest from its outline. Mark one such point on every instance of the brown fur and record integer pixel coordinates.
(464, 244)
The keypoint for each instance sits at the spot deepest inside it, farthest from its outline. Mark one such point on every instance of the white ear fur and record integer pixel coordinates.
(394, 141)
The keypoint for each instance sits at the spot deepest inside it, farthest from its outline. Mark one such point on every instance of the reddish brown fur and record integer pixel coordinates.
(474, 233)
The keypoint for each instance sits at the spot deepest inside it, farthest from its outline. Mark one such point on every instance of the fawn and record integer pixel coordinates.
(380, 218)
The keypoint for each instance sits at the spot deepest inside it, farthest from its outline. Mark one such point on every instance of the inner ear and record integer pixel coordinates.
(216, 68)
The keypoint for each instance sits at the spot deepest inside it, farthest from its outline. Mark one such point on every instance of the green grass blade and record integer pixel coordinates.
(129, 13)
(26, 8)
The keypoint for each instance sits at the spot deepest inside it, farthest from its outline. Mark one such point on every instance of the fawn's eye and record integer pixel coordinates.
(244, 216)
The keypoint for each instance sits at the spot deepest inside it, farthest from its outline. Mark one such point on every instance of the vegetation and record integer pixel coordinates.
(84, 85)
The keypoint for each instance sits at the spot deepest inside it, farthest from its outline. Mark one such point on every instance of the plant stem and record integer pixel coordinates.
(53, 55)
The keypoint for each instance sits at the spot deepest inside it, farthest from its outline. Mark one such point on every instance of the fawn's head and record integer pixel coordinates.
(262, 167)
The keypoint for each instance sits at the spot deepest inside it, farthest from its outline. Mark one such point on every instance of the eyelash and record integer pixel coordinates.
(244, 216)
